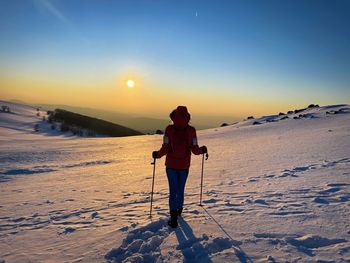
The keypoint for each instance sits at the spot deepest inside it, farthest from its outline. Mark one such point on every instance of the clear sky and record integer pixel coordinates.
(217, 57)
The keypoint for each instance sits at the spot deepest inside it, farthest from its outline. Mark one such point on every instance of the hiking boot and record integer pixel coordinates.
(173, 218)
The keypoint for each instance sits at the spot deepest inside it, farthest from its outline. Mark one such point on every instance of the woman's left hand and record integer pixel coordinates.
(155, 154)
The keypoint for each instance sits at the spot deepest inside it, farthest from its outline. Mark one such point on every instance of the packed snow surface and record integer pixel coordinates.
(274, 191)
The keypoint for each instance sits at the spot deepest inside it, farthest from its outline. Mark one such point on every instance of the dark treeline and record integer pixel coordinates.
(96, 125)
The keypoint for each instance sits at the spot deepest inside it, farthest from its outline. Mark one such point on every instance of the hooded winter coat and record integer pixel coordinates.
(179, 141)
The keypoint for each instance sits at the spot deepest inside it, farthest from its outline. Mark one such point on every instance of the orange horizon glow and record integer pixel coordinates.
(87, 54)
(151, 98)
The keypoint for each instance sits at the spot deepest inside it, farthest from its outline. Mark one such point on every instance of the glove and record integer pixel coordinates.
(204, 149)
(155, 154)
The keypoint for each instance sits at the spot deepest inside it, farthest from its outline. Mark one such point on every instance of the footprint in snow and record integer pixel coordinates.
(260, 201)
(320, 200)
(68, 230)
(330, 190)
(144, 244)
(309, 242)
(210, 201)
(305, 243)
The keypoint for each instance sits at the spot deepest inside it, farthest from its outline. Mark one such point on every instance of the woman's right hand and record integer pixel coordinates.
(204, 149)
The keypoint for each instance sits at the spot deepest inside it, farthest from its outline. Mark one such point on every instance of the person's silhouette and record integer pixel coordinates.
(179, 141)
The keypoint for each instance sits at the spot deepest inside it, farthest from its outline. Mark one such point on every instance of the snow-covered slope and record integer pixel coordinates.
(306, 113)
(274, 192)
(22, 120)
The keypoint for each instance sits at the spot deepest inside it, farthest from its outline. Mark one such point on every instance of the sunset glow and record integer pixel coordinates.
(174, 131)
(87, 54)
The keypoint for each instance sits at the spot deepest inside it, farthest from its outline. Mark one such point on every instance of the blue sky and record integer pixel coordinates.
(282, 52)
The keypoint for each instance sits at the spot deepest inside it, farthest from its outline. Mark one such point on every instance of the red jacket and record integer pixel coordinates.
(179, 141)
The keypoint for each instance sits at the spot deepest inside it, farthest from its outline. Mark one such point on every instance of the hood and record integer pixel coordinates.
(181, 118)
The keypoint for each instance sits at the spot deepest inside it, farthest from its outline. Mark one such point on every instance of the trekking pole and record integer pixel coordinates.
(154, 172)
(200, 198)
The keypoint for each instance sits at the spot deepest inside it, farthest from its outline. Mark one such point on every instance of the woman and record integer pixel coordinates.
(179, 141)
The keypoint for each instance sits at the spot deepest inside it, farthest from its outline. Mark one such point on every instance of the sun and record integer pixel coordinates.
(130, 83)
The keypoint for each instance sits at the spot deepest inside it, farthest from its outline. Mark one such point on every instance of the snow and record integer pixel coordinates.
(274, 192)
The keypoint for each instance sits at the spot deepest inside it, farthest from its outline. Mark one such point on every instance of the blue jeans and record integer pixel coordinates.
(177, 181)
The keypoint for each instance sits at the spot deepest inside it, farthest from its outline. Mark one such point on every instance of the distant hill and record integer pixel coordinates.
(93, 124)
(133, 121)
(141, 123)
(313, 111)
